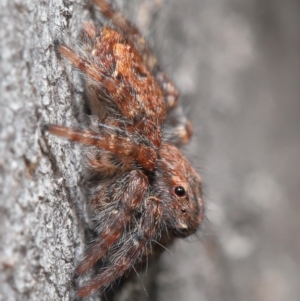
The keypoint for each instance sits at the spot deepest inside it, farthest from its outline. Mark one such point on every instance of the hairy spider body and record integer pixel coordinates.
(148, 189)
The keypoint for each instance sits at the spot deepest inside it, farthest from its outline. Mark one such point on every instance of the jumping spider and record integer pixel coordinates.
(147, 192)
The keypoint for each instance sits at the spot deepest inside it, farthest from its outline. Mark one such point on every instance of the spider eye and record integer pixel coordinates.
(180, 191)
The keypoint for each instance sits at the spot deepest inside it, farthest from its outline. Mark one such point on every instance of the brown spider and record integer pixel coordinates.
(147, 191)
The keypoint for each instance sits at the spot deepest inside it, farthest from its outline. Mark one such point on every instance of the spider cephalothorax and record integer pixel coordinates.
(148, 189)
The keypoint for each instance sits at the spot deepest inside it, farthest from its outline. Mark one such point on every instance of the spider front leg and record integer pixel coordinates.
(113, 209)
(133, 249)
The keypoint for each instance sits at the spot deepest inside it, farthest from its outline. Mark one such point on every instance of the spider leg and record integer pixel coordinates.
(81, 63)
(121, 146)
(178, 130)
(131, 251)
(127, 201)
(106, 163)
(90, 29)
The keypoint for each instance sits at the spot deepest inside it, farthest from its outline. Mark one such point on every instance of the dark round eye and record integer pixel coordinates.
(179, 190)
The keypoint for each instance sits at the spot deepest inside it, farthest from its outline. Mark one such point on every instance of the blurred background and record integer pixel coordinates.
(237, 65)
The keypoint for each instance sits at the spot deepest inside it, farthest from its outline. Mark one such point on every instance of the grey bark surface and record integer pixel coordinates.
(237, 66)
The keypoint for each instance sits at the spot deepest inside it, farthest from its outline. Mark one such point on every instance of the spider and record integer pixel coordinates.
(147, 192)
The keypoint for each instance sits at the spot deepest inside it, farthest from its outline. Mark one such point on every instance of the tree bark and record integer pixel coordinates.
(40, 176)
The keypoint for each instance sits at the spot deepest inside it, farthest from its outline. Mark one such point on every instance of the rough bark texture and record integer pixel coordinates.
(237, 66)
